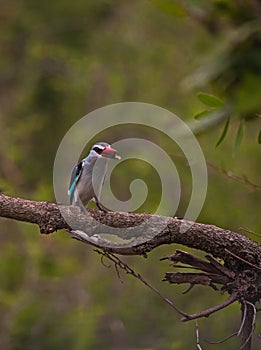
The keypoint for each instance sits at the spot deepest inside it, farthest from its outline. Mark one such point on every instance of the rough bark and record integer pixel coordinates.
(219, 242)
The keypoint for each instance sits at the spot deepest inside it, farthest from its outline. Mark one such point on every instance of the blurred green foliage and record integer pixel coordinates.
(59, 60)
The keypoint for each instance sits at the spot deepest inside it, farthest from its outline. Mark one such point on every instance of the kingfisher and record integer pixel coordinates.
(86, 180)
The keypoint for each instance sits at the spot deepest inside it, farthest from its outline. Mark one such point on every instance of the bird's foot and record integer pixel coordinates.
(99, 206)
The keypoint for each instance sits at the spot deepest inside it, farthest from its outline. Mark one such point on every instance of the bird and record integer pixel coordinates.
(85, 178)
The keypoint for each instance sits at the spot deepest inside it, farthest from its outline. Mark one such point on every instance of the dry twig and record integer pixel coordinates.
(197, 336)
(121, 264)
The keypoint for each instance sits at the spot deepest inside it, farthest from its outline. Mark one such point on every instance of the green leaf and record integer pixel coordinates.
(259, 137)
(202, 114)
(239, 137)
(224, 132)
(209, 100)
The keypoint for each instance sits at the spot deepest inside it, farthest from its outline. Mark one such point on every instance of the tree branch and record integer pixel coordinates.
(211, 239)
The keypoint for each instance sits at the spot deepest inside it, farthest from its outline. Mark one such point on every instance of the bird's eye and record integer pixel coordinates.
(98, 149)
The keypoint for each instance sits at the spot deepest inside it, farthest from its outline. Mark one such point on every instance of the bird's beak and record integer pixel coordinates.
(109, 152)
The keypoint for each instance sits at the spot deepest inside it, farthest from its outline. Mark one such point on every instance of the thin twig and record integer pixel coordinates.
(244, 180)
(253, 324)
(197, 337)
(118, 272)
(211, 310)
(245, 261)
(249, 231)
(119, 263)
(233, 334)
(223, 340)
(243, 318)
(188, 289)
(103, 263)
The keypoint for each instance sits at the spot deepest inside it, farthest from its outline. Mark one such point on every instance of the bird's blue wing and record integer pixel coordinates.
(76, 173)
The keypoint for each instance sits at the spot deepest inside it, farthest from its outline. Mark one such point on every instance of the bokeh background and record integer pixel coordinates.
(60, 60)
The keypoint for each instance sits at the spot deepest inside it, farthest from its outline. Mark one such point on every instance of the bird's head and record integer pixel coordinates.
(104, 150)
